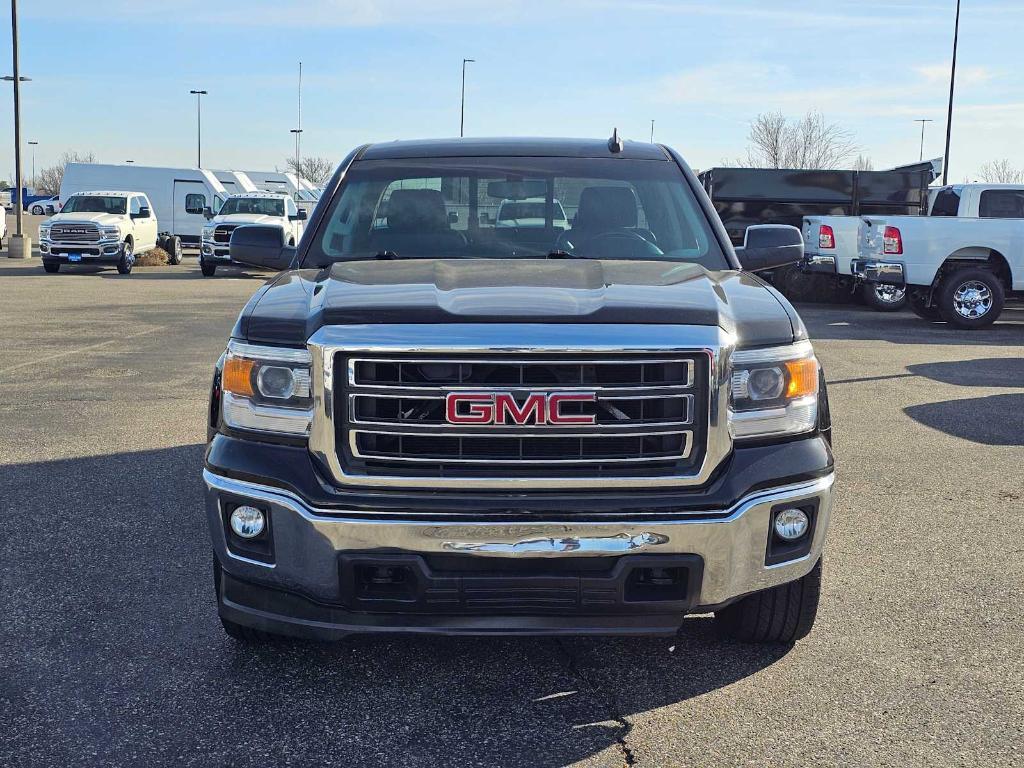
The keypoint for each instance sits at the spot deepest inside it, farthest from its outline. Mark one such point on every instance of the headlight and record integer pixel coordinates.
(267, 389)
(44, 232)
(111, 233)
(774, 391)
(208, 233)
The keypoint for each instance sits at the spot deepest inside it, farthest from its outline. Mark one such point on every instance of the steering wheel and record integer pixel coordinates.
(633, 244)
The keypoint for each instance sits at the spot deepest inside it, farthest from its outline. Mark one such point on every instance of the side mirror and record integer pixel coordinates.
(208, 213)
(261, 246)
(142, 214)
(300, 216)
(767, 246)
(50, 210)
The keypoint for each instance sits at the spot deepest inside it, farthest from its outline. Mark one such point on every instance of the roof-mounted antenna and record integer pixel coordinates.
(615, 143)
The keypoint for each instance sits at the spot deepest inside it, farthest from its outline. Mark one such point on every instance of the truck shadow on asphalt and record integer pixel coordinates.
(116, 650)
(990, 420)
(853, 323)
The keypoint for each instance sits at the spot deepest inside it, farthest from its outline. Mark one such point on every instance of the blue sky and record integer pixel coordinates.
(112, 76)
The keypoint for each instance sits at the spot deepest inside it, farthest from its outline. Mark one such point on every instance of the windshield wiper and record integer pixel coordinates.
(386, 255)
(565, 255)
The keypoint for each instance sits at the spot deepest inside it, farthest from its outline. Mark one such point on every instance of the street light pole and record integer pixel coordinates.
(19, 246)
(298, 174)
(949, 114)
(462, 111)
(652, 131)
(922, 121)
(33, 144)
(199, 127)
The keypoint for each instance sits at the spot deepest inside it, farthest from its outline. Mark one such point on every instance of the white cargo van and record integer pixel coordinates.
(178, 195)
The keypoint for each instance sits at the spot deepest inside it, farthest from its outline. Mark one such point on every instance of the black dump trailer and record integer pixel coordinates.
(745, 196)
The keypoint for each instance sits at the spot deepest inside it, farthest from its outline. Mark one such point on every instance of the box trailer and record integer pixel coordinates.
(235, 182)
(178, 195)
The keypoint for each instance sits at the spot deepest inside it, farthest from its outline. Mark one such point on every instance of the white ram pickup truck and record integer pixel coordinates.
(830, 247)
(266, 208)
(957, 264)
(110, 228)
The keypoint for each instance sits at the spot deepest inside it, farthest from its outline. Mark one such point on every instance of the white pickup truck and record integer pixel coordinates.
(266, 208)
(959, 262)
(109, 228)
(830, 247)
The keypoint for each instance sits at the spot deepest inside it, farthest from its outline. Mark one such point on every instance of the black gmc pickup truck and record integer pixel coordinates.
(593, 418)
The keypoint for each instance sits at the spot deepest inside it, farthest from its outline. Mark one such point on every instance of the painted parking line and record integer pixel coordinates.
(69, 352)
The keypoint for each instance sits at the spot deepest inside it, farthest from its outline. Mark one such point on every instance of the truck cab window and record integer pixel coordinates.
(195, 202)
(1001, 204)
(947, 202)
(135, 205)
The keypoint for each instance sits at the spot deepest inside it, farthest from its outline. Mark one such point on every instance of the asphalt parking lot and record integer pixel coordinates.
(111, 653)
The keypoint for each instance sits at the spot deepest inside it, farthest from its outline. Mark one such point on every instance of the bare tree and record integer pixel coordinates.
(1001, 172)
(316, 170)
(810, 142)
(863, 163)
(51, 178)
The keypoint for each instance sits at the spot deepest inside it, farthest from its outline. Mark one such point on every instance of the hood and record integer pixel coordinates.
(103, 219)
(289, 309)
(246, 218)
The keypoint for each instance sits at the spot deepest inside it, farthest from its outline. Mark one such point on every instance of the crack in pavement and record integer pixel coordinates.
(608, 700)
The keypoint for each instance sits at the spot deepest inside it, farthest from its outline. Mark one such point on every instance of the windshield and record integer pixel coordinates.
(94, 204)
(449, 208)
(264, 206)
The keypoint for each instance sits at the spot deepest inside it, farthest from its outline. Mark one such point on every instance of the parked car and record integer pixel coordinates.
(3, 225)
(179, 196)
(959, 263)
(109, 228)
(267, 208)
(830, 247)
(421, 426)
(43, 206)
(529, 213)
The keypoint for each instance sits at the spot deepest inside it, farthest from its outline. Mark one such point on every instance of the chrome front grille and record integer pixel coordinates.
(222, 233)
(649, 415)
(75, 233)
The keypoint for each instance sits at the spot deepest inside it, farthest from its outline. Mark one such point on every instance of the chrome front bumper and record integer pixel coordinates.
(308, 543)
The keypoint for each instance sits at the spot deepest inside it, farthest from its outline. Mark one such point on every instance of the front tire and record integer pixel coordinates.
(782, 614)
(37, 210)
(173, 247)
(884, 298)
(971, 298)
(127, 260)
(51, 266)
(208, 270)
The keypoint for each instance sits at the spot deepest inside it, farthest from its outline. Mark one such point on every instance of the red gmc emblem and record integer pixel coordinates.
(502, 409)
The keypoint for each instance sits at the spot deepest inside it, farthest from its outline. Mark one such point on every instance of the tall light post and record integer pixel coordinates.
(922, 121)
(199, 127)
(652, 131)
(462, 111)
(298, 174)
(33, 144)
(949, 114)
(19, 246)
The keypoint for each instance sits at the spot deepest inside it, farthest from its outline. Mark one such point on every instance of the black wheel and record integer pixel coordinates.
(209, 270)
(51, 266)
(884, 298)
(916, 302)
(970, 298)
(782, 614)
(127, 261)
(173, 247)
(233, 629)
(37, 210)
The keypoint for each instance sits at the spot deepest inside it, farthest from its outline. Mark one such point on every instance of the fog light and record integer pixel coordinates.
(247, 522)
(791, 524)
